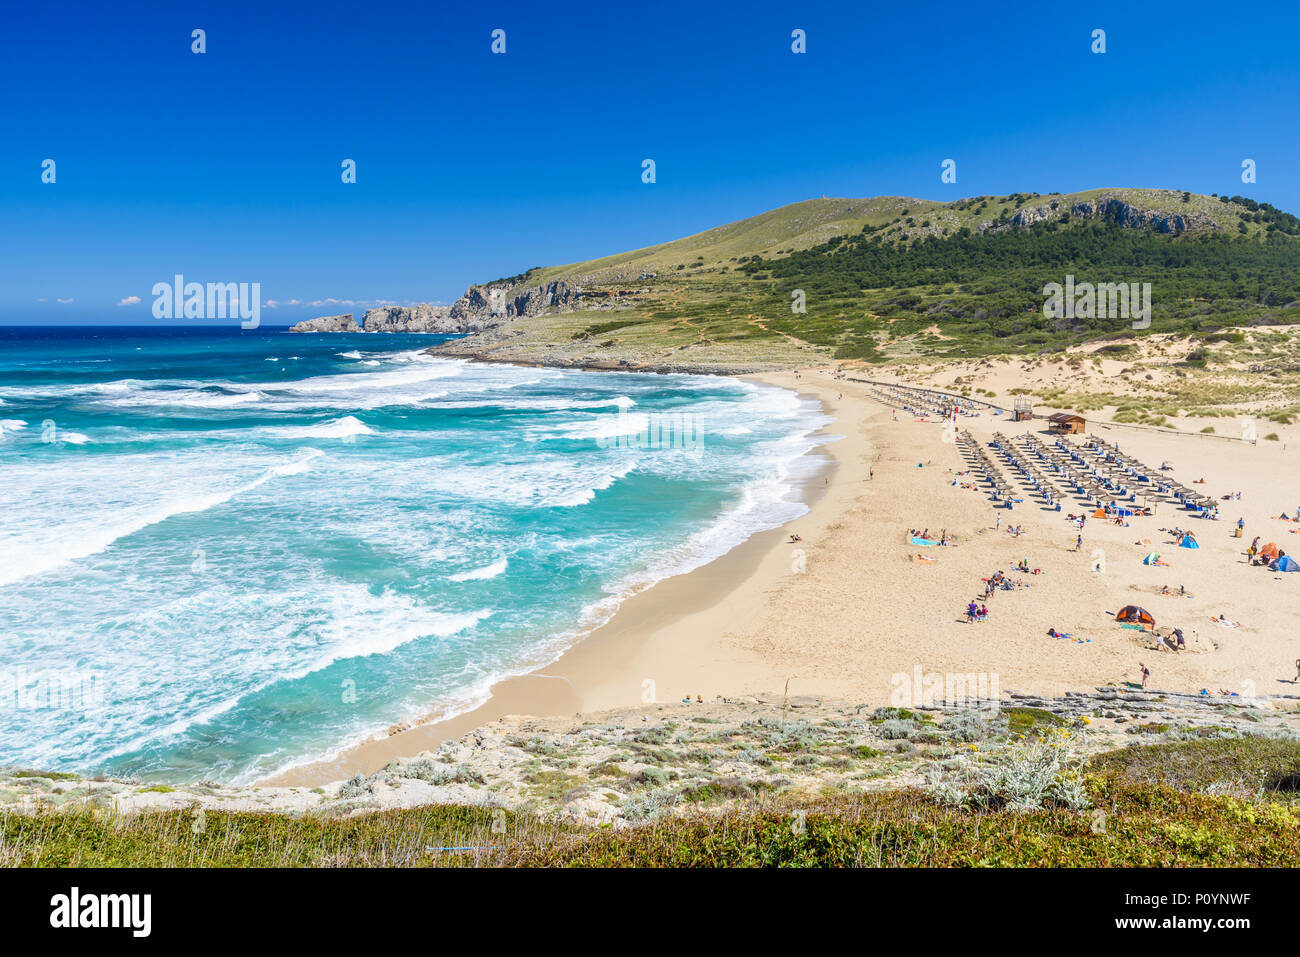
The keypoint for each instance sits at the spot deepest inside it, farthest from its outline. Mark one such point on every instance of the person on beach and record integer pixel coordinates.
(1078, 543)
(1146, 673)
(972, 610)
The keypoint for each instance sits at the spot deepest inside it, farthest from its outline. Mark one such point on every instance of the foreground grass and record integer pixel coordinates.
(1134, 825)
(1267, 768)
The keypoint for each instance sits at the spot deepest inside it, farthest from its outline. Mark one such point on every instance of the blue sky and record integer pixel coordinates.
(225, 166)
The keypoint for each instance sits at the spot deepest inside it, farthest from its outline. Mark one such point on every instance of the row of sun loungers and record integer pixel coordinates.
(1164, 485)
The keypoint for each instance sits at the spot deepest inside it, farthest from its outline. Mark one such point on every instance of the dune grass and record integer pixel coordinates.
(1223, 802)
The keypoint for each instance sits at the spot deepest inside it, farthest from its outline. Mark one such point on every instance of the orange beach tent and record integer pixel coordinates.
(1132, 614)
(1269, 551)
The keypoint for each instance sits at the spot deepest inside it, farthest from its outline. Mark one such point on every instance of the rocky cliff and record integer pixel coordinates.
(343, 323)
(481, 308)
(1113, 210)
(421, 318)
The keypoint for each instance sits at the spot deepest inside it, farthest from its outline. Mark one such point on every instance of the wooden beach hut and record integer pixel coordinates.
(1066, 423)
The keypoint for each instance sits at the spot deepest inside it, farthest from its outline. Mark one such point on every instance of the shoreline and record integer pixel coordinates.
(852, 611)
(649, 636)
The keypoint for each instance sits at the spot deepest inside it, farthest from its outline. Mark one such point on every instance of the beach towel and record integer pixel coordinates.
(923, 542)
(926, 559)
(1225, 623)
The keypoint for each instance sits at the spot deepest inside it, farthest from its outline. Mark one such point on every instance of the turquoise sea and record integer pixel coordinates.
(226, 552)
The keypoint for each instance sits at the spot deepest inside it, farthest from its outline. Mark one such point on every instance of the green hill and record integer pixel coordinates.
(896, 276)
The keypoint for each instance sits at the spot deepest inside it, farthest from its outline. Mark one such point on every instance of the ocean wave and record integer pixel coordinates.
(299, 467)
(344, 428)
(24, 558)
(216, 397)
(583, 494)
(481, 574)
(357, 623)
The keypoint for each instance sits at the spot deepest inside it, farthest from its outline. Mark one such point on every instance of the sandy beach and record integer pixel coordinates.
(848, 611)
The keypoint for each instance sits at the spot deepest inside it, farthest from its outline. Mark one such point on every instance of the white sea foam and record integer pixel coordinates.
(28, 552)
(346, 427)
(299, 467)
(585, 492)
(481, 574)
(356, 623)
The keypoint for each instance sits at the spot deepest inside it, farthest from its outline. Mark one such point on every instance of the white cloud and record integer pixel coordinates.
(129, 301)
(65, 301)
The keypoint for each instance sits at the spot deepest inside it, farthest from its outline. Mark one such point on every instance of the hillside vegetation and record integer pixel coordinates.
(891, 276)
(1136, 822)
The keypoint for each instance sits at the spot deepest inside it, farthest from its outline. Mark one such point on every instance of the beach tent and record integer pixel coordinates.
(1269, 551)
(1188, 542)
(1151, 559)
(1285, 564)
(1132, 614)
(1100, 513)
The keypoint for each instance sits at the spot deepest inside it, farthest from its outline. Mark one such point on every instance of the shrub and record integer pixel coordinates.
(1029, 777)
(355, 787)
(433, 773)
(893, 729)
(650, 805)
(972, 726)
